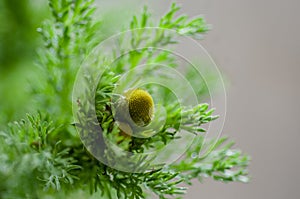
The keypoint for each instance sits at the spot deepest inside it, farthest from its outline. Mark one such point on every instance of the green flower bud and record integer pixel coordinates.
(141, 106)
(136, 107)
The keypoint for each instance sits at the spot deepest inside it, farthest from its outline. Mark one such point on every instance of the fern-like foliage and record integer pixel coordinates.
(42, 155)
(31, 161)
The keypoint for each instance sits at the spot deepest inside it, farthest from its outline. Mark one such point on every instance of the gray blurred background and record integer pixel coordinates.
(256, 44)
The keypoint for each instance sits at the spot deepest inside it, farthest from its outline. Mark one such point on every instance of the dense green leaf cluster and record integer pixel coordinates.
(29, 155)
(42, 156)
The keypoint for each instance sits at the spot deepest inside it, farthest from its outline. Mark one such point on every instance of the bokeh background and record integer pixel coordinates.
(256, 45)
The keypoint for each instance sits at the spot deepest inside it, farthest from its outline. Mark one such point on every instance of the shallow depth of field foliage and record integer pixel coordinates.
(41, 155)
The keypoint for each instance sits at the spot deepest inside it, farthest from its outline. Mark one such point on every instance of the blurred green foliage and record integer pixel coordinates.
(18, 35)
(18, 43)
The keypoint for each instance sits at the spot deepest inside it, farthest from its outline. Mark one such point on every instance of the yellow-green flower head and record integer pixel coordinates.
(141, 106)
